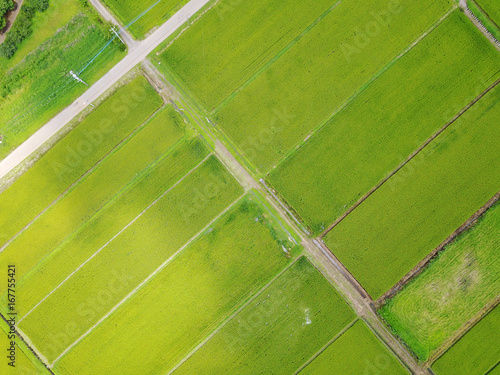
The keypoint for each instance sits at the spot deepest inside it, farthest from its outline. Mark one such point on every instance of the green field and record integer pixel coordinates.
(356, 351)
(429, 198)
(92, 193)
(188, 299)
(277, 332)
(317, 75)
(492, 9)
(107, 223)
(487, 22)
(384, 124)
(127, 11)
(75, 154)
(213, 57)
(35, 84)
(451, 290)
(25, 362)
(135, 253)
(475, 353)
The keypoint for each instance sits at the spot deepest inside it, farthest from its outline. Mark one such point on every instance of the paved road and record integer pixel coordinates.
(137, 53)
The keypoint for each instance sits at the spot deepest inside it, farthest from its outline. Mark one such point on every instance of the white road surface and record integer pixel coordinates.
(137, 53)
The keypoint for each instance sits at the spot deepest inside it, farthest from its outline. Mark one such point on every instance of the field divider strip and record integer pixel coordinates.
(361, 89)
(415, 271)
(335, 338)
(233, 315)
(463, 330)
(91, 170)
(409, 158)
(145, 281)
(31, 346)
(116, 235)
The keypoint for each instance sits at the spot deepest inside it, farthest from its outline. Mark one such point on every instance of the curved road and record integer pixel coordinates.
(138, 51)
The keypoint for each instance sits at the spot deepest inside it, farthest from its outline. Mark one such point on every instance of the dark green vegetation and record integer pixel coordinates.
(463, 279)
(475, 353)
(278, 331)
(356, 352)
(5, 7)
(185, 301)
(387, 122)
(35, 83)
(424, 202)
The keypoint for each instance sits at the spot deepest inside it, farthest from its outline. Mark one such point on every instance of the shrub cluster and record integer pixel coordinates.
(5, 7)
(22, 26)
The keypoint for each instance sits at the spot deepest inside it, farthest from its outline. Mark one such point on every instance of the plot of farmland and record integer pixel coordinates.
(189, 298)
(422, 204)
(127, 11)
(35, 84)
(356, 351)
(385, 123)
(455, 287)
(313, 79)
(491, 8)
(475, 353)
(91, 194)
(74, 155)
(278, 331)
(214, 57)
(134, 254)
(107, 223)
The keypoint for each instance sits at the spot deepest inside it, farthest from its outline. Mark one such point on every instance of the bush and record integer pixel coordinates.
(22, 27)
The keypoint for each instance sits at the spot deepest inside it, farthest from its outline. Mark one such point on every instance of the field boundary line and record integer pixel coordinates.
(83, 177)
(230, 317)
(409, 158)
(24, 338)
(362, 89)
(146, 280)
(324, 347)
(422, 265)
(116, 235)
(462, 331)
(479, 24)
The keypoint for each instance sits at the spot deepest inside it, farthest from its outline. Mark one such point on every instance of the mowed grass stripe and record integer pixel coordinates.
(187, 300)
(279, 330)
(467, 273)
(313, 79)
(357, 351)
(107, 224)
(214, 57)
(74, 155)
(430, 197)
(133, 255)
(91, 194)
(476, 352)
(377, 131)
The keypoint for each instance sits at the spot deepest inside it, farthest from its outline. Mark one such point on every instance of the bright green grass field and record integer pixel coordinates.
(134, 254)
(492, 9)
(107, 223)
(476, 352)
(128, 10)
(92, 193)
(312, 80)
(75, 154)
(405, 219)
(455, 286)
(278, 331)
(186, 301)
(25, 363)
(389, 120)
(214, 57)
(485, 19)
(357, 351)
(35, 84)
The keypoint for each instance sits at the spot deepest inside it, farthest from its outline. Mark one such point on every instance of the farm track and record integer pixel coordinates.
(476, 22)
(362, 305)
